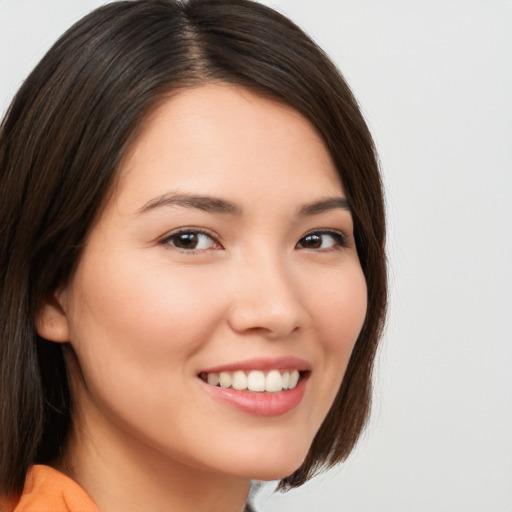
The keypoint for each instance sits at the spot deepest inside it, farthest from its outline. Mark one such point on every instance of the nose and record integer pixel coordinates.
(266, 299)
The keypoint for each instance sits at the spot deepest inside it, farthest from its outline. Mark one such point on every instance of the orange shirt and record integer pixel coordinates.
(48, 490)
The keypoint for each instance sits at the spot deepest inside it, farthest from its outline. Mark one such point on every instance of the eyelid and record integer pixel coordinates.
(189, 229)
(341, 238)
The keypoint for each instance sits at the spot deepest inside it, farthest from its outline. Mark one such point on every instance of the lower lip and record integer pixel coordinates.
(259, 403)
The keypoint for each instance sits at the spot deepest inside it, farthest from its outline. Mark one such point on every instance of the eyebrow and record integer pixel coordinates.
(217, 205)
(324, 205)
(205, 203)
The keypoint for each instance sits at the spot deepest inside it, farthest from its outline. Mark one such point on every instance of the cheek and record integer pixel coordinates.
(340, 306)
(137, 306)
(135, 328)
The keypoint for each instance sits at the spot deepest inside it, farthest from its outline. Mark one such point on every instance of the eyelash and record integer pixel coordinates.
(189, 231)
(339, 239)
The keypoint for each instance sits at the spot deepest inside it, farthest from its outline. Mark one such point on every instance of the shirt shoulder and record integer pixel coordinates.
(48, 490)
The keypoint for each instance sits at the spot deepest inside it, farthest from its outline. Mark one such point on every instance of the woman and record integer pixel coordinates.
(193, 272)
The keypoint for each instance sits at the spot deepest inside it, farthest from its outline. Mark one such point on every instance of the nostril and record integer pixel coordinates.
(264, 321)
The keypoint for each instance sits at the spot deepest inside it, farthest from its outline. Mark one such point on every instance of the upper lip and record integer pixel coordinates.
(262, 363)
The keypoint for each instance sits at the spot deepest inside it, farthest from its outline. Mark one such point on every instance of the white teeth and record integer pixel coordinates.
(239, 381)
(225, 380)
(294, 379)
(213, 379)
(286, 380)
(256, 381)
(273, 382)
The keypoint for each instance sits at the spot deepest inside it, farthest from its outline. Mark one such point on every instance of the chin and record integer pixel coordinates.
(273, 465)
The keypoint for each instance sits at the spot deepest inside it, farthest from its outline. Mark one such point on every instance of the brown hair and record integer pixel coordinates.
(61, 144)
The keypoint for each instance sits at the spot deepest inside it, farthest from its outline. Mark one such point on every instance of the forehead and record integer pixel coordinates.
(224, 139)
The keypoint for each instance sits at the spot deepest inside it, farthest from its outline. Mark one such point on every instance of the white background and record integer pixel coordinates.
(434, 78)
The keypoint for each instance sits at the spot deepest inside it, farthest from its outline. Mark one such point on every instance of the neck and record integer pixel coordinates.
(120, 473)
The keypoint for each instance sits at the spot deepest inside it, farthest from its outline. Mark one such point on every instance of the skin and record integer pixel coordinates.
(144, 316)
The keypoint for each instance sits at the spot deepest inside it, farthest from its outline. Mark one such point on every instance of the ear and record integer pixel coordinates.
(51, 320)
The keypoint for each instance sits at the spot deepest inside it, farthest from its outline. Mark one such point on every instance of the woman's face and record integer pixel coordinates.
(225, 253)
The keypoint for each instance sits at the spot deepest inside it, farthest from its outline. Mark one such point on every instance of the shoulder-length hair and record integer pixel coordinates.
(61, 144)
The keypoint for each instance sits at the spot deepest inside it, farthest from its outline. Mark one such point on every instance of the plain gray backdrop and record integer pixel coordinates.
(434, 78)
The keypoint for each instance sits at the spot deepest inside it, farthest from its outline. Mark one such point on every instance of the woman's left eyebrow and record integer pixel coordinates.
(324, 205)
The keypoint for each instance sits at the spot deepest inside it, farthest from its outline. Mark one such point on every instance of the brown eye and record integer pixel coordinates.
(190, 241)
(185, 240)
(313, 241)
(322, 240)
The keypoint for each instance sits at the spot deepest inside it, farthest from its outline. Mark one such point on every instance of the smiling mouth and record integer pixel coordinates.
(257, 381)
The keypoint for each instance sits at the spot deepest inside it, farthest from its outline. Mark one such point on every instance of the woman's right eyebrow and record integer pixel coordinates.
(206, 203)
